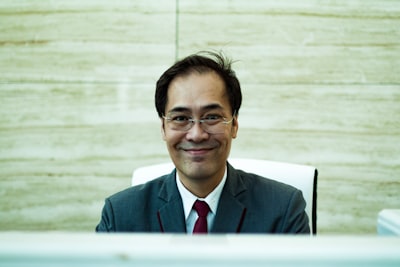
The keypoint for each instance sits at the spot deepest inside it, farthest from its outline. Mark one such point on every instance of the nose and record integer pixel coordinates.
(196, 133)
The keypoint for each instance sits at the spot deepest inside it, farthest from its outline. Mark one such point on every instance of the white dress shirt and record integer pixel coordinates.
(188, 200)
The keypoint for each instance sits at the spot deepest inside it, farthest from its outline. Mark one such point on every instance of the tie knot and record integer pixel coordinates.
(202, 208)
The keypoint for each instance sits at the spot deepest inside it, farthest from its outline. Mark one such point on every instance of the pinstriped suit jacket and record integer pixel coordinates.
(248, 204)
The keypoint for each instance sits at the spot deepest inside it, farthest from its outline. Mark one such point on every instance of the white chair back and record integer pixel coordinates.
(303, 177)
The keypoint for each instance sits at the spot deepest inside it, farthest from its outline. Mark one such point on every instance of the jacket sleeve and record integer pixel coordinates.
(296, 220)
(107, 223)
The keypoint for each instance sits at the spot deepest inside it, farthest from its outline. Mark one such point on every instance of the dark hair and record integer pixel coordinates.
(201, 62)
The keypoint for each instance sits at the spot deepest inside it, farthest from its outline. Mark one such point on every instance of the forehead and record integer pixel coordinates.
(197, 92)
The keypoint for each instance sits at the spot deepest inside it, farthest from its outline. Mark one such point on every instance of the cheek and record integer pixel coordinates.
(171, 138)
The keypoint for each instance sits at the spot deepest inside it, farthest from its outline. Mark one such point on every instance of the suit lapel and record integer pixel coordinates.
(230, 212)
(170, 215)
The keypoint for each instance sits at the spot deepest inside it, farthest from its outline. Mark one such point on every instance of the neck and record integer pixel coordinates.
(200, 187)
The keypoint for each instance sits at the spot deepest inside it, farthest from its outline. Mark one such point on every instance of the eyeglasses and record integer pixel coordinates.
(210, 123)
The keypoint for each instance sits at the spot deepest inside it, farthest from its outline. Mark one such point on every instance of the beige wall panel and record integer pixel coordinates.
(351, 133)
(65, 147)
(320, 83)
(85, 40)
(306, 42)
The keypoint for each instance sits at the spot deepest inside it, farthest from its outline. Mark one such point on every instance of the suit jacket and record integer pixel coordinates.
(248, 204)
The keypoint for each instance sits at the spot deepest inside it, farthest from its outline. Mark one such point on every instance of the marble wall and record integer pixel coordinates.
(320, 81)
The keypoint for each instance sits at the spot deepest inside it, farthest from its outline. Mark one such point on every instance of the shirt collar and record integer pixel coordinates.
(188, 198)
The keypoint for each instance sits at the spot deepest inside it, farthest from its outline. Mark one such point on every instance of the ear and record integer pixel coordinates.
(235, 126)
(163, 129)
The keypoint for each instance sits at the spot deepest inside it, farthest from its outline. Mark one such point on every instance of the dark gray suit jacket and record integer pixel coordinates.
(248, 204)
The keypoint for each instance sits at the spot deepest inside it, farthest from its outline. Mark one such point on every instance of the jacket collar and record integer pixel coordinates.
(170, 215)
(230, 212)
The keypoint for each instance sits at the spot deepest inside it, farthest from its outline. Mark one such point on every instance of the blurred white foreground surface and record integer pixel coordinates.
(89, 249)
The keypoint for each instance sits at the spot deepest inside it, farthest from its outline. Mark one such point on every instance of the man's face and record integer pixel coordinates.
(197, 154)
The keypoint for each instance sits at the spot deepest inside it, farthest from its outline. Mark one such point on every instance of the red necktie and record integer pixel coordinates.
(202, 210)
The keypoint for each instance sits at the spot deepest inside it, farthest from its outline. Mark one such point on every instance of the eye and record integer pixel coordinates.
(212, 118)
(180, 118)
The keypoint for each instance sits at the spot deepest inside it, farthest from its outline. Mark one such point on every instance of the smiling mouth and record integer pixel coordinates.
(198, 151)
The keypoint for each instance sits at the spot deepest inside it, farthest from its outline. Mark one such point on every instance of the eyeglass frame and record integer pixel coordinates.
(191, 123)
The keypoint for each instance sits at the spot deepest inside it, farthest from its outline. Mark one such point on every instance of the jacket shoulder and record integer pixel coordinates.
(137, 192)
(256, 182)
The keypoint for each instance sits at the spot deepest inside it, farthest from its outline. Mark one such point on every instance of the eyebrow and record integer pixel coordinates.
(205, 108)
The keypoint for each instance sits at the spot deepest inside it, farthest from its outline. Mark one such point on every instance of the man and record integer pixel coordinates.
(198, 101)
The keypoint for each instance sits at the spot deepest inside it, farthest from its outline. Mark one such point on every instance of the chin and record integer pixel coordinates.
(201, 169)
